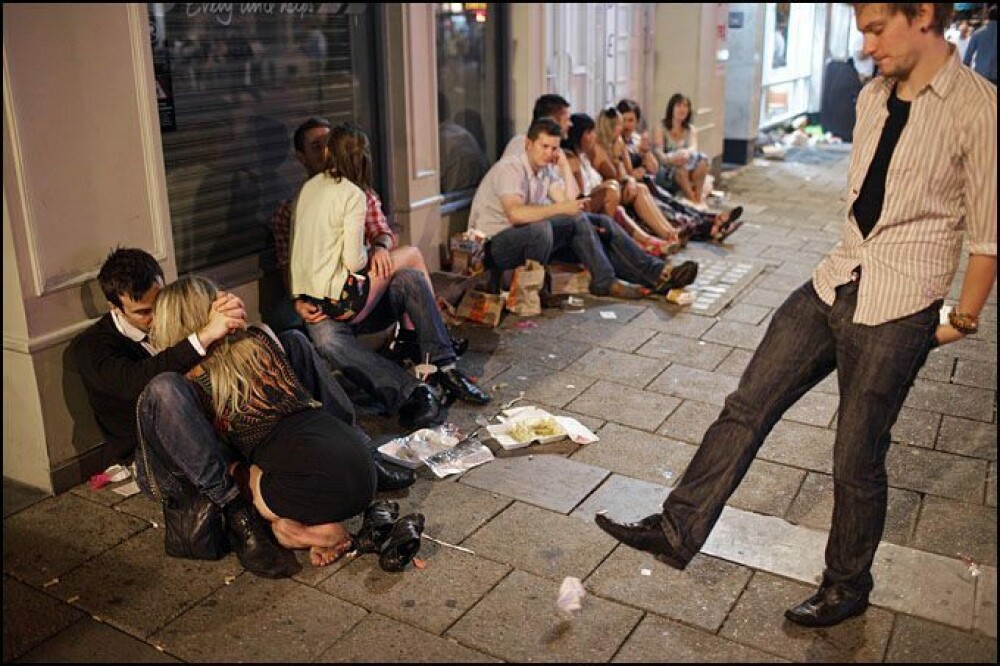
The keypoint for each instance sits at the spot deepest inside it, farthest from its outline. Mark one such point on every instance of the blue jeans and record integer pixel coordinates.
(540, 240)
(315, 375)
(630, 262)
(805, 342)
(179, 443)
(408, 293)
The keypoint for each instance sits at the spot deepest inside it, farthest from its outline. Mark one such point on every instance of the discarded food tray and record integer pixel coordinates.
(527, 427)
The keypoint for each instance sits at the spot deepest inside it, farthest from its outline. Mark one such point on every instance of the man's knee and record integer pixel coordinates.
(294, 341)
(165, 389)
(538, 234)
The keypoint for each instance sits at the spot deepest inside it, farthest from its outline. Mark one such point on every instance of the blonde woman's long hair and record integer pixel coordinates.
(236, 364)
(606, 122)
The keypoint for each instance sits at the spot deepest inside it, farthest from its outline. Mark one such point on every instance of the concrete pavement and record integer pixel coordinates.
(86, 579)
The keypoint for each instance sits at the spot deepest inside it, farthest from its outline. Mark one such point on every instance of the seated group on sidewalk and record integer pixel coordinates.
(236, 429)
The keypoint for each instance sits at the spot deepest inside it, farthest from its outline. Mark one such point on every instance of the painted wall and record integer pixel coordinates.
(412, 107)
(80, 177)
(743, 72)
(685, 46)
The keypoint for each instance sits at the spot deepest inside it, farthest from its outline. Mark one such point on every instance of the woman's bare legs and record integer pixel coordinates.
(651, 244)
(652, 216)
(698, 176)
(326, 542)
(683, 179)
(409, 256)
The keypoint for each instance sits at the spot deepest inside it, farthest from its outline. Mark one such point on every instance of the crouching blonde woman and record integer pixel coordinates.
(305, 470)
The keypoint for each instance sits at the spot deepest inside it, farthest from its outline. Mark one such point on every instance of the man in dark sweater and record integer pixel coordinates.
(136, 393)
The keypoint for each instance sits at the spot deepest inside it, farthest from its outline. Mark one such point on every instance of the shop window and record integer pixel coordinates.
(789, 56)
(470, 96)
(233, 82)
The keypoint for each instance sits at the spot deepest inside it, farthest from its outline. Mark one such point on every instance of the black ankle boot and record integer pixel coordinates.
(403, 543)
(250, 540)
(375, 527)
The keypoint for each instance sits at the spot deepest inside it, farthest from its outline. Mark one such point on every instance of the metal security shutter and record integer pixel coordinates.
(233, 84)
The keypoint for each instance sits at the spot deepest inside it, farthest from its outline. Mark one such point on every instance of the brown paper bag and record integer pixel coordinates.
(528, 279)
(569, 278)
(481, 308)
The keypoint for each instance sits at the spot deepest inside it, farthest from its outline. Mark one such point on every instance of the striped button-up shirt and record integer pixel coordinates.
(941, 182)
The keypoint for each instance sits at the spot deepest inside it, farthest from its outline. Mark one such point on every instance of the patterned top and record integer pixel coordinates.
(283, 394)
(941, 181)
(376, 225)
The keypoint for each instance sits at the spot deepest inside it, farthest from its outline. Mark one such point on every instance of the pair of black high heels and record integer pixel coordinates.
(395, 539)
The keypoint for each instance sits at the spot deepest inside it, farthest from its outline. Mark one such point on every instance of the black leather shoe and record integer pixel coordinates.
(460, 345)
(644, 535)
(421, 409)
(404, 352)
(392, 477)
(249, 538)
(461, 387)
(379, 518)
(403, 543)
(829, 606)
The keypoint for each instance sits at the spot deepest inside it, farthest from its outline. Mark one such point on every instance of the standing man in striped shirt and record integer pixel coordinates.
(922, 171)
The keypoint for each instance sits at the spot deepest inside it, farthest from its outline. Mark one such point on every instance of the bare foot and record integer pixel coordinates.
(320, 556)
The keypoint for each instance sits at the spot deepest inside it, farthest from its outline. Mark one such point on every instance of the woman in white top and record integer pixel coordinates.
(676, 146)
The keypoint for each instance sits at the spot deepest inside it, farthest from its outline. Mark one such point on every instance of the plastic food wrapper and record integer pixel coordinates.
(443, 449)
(463, 456)
(410, 451)
(523, 426)
(571, 594)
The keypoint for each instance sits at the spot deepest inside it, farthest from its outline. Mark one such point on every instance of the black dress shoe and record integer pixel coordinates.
(421, 409)
(404, 352)
(250, 540)
(403, 543)
(461, 387)
(644, 535)
(392, 477)
(830, 605)
(460, 345)
(379, 518)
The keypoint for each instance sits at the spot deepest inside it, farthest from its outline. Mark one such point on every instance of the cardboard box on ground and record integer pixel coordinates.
(466, 252)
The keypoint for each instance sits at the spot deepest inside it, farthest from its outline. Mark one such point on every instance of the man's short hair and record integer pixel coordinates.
(544, 125)
(939, 23)
(300, 134)
(128, 271)
(549, 105)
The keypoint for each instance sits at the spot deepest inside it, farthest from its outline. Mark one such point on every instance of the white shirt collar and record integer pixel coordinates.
(126, 328)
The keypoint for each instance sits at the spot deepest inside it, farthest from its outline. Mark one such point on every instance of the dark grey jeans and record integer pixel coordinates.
(408, 293)
(540, 240)
(806, 341)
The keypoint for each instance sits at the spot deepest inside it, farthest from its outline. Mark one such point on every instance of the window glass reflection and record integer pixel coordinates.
(468, 103)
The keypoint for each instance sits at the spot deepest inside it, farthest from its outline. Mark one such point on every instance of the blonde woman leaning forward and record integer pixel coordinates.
(305, 471)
